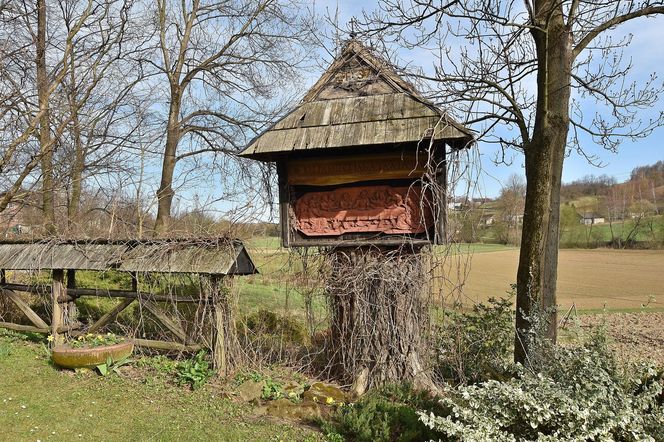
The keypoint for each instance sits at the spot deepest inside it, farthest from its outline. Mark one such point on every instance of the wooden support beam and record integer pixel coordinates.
(24, 328)
(30, 328)
(218, 329)
(110, 316)
(161, 316)
(169, 346)
(100, 293)
(3, 276)
(57, 317)
(71, 312)
(25, 308)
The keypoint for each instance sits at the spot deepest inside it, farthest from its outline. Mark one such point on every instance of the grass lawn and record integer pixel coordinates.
(40, 402)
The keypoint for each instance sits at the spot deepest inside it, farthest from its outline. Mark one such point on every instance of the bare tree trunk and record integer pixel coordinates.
(46, 147)
(544, 154)
(165, 193)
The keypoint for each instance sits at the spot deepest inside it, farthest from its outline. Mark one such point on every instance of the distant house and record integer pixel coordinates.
(589, 219)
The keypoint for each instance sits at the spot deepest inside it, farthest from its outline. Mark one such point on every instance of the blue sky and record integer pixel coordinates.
(647, 57)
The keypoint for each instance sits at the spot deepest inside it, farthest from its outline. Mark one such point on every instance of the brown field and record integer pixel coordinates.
(592, 279)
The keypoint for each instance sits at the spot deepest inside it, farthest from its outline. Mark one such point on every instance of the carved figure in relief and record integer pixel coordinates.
(361, 209)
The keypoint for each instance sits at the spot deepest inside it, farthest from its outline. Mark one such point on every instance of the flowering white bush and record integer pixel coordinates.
(579, 395)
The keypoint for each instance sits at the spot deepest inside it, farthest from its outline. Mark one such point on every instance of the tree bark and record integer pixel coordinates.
(544, 155)
(165, 193)
(46, 146)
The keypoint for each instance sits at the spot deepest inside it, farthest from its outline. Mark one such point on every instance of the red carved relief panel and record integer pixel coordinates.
(386, 209)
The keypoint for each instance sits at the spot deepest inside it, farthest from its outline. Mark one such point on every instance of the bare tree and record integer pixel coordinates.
(26, 90)
(223, 61)
(529, 67)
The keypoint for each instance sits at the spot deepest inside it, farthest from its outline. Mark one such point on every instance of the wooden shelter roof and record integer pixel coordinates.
(220, 257)
(359, 101)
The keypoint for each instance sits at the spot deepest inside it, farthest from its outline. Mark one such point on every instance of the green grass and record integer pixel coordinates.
(40, 402)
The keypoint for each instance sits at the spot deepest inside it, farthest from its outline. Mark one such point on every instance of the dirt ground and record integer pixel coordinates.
(591, 279)
(635, 336)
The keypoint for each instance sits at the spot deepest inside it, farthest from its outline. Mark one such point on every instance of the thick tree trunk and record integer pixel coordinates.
(379, 318)
(45, 143)
(165, 193)
(544, 155)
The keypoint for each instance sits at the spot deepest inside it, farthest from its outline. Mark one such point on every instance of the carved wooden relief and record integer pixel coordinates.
(380, 209)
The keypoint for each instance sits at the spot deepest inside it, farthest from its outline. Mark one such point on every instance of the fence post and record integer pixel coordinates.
(57, 317)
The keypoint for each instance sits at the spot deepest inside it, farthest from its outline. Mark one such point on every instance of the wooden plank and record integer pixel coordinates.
(100, 293)
(354, 168)
(284, 203)
(71, 312)
(165, 345)
(110, 316)
(57, 314)
(30, 328)
(25, 308)
(218, 329)
(161, 316)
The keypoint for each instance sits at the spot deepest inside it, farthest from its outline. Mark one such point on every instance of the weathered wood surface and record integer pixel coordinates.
(163, 318)
(25, 308)
(168, 346)
(57, 313)
(359, 101)
(100, 293)
(354, 168)
(110, 316)
(168, 256)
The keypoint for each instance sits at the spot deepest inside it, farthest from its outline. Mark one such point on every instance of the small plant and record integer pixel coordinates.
(195, 371)
(91, 340)
(272, 390)
(387, 414)
(112, 366)
(476, 346)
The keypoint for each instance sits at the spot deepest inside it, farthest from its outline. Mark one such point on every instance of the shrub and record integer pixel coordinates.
(267, 323)
(580, 394)
(388, 414)
(477, 345)
(195, 371)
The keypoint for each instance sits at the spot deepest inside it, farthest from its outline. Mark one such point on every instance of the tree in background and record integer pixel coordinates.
(490, 55)
(223, 62)
(510, 206)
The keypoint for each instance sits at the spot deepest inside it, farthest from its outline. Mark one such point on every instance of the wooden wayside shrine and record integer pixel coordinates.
(362, 173)
(211, 260)
(362, 160)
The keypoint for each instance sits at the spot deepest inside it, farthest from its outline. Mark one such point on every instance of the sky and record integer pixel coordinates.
(647, 58)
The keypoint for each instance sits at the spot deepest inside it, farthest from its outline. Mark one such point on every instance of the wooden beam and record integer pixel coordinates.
(164, 345)
(71, 312)
(161, 316)
(100, 293)
(25, 308)
(30, 328)
(110, 316)
(218, 329)
(24, 328)
(57, 316)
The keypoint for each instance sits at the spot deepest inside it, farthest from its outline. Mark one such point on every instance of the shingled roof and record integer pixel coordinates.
(359, 101)
(218, 257)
